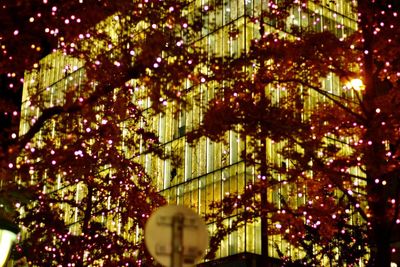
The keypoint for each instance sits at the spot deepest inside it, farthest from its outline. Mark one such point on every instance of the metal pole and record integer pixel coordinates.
(177, 240)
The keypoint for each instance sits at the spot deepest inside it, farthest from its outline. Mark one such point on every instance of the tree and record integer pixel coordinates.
(338, 149)
(30, 31)
(331, 187)
(92, 194)
(81, 192)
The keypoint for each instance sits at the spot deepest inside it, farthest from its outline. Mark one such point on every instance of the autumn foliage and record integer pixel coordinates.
(334, 191)
(329, 187)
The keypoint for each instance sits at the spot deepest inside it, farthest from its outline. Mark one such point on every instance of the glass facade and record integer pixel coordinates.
(205, 171)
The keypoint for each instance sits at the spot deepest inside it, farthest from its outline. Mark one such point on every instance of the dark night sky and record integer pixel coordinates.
(10, 101)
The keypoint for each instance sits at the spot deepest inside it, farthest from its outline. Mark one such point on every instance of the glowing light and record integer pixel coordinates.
(6, 239)
(356, 84)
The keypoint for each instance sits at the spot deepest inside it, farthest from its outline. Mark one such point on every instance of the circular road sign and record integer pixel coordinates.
(176, 236)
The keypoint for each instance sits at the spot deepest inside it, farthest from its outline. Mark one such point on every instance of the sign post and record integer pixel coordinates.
(177, 240)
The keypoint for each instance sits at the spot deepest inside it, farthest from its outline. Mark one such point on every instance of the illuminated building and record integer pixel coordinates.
(206, 171)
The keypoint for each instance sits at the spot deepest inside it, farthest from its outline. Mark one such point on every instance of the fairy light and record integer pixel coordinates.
(355, 84)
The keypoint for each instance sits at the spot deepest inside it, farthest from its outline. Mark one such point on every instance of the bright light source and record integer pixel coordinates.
(356, 84)
(8, 235)
(6, 240)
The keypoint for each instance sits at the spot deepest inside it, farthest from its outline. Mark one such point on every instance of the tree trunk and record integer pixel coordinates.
(264, 201)
(86, 220)
(263, 165)
(381, 254)
(380, 228)
(264, 192)
(380, 231)
(264, 227)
